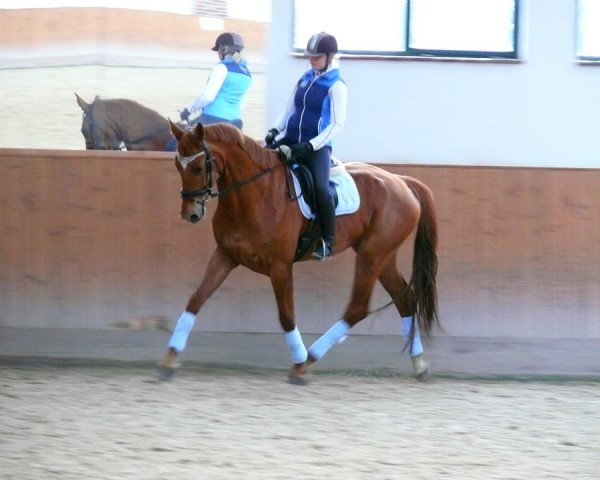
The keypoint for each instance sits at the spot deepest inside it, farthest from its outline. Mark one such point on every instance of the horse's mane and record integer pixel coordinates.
(228, 134)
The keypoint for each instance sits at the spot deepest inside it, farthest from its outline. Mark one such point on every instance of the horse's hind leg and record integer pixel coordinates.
(367, 270)
(396, 286)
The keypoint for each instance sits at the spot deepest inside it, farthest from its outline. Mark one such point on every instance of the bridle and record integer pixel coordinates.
(207, 192)
(89, 119)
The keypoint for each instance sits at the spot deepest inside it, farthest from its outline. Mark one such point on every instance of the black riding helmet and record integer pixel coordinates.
(229, 39)
(321, 43)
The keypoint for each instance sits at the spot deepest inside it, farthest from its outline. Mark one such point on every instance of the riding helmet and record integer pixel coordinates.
(321, 43)
(229, 39)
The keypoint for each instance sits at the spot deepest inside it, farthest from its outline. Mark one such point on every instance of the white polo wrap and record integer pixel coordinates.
(336, 334)
(182, 331)
(294, 342)
(417, 346)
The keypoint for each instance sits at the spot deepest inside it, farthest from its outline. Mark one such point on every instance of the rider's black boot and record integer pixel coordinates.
(324, 246)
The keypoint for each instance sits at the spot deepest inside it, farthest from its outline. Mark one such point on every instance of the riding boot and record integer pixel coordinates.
(324, 247)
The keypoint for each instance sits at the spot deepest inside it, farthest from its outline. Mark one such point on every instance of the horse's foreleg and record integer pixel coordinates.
(219, 267)
(283, 287)
(396, 286)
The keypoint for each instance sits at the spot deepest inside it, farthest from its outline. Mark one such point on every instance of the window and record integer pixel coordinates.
(379, 29)
(588, 34)
(447, 28)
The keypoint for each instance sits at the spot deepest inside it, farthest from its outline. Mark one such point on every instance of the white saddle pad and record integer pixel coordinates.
(348, 197)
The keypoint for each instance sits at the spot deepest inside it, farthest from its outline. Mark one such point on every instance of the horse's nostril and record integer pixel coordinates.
(194, 218)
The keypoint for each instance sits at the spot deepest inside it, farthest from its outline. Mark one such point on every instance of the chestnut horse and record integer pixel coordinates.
(256, 224)
(117, 123)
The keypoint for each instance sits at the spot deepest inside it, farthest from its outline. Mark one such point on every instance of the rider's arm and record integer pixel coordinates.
(215, 81)
(339, 99)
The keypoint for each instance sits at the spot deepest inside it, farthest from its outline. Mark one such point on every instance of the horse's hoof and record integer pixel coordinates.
(301, 381)
(168, 366)
(166, 374)
(421, 368)
(299, 375)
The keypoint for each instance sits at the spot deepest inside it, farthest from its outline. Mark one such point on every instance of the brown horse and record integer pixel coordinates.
(257, 225)
(117, 123)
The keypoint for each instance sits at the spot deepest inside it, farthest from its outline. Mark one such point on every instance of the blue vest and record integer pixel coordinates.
(226, 104)
(312, 106)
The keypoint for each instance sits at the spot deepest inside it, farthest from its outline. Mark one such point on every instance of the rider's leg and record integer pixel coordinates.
(319, 165)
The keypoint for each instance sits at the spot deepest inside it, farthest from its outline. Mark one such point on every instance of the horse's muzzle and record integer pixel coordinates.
(195, 213)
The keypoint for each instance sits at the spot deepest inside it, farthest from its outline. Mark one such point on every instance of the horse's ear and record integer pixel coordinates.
(199, 131)
(177, 132)
(82, 103)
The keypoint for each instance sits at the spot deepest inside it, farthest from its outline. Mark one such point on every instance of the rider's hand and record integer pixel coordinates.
(270, 138)
(302, 150)
(185, 115)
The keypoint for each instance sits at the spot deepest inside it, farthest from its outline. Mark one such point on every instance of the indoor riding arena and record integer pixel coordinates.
(96, 264)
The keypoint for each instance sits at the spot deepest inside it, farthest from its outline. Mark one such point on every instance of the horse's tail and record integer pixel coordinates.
(425, 260)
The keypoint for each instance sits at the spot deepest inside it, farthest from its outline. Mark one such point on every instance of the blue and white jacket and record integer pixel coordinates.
(225, 90)
(316, 111)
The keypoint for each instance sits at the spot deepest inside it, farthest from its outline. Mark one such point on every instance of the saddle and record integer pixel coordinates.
(306, 188)
(341, 186)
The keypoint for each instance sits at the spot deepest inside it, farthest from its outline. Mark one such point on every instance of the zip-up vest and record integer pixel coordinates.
(226, 104)
(312, 106)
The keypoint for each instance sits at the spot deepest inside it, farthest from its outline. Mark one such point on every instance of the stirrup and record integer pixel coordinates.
(323, 250)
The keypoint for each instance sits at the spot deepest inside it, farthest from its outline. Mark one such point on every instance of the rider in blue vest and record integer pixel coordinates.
(226, 88)
(315, 113)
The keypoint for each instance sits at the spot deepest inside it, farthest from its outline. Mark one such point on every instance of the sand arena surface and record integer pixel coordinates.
(39, 110)
(117, 423)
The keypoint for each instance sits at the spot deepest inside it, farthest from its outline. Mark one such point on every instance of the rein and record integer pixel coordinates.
(207, 191)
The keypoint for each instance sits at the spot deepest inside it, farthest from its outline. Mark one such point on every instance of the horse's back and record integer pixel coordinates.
(388, 206)
(377, 181)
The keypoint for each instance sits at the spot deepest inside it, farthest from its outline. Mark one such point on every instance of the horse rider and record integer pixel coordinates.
(227, 86)
(315, 114)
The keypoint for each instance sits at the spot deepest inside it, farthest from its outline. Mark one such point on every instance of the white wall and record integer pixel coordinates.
(543, 111)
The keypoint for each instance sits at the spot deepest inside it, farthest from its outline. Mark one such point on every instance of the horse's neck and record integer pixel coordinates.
(261, 192)
(139, 127)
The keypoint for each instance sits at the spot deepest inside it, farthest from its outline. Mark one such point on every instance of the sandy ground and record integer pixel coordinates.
(38, 107)
(117, 423)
